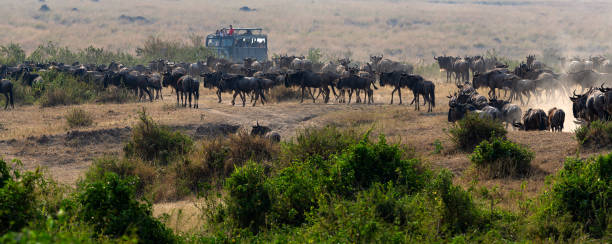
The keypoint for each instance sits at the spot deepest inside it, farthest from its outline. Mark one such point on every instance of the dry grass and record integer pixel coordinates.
(405, 30)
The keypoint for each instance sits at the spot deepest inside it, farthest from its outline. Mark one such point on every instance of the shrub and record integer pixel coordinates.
(294, 191)
(248, 199)
(155, 143)
(78, 118)
(471, 130)
(282, 94)
(596, 134)
(456, 205)
(582, 190)
(64, 89)
(125, 168)
(502, 158)
(109, 206)
(365, 163)
(116, 95)
(18, 197)
(322, 142)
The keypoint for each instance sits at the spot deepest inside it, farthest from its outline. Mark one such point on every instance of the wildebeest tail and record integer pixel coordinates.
(373, 84)
(432, 96)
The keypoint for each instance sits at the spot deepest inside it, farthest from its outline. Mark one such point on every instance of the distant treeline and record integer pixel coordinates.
(152, 49)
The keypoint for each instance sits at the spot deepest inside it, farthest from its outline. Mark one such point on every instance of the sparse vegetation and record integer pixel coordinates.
(155, 143)
(78, 118)
(471, 130)
(501, 158)
(596, 134)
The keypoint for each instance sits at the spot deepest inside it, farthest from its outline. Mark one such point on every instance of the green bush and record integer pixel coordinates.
(282, 94)
(581, 196)
(146, 176)
(248, 200)
(12, 54)
(458, 210)
(19, 202)
(322, 142)
(596, 134)
(471, 130)
(501, 158)
(294, 191)
(78, 118)
(116, 95)
(110, 207)
(365, 163)
(64, 89)
(155, 143)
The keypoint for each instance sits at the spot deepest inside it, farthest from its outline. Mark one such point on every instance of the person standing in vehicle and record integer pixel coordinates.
(231, 31)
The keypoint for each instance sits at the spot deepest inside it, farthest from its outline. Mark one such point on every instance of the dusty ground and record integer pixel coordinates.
(40, 137)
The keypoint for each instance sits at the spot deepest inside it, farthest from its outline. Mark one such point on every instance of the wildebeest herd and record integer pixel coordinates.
(253, 79)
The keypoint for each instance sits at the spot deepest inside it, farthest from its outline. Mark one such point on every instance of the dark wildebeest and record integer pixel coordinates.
(556, 118)
(461, 67)
(421, 87)
(171, 78)
(155, 83)
(494, 79)
(534, 119)
(188, 86)
(6, 88)
(308, 79)
(457, 111)
(131, 80)
(446, 63)
(355, 83)
(607, 94)
(242, 86)
(395, 79)
(510, 113)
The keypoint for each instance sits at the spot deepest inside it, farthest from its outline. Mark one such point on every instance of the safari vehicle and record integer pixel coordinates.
(244, 43)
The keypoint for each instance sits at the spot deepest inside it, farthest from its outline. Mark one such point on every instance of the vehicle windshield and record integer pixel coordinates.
(212, 42)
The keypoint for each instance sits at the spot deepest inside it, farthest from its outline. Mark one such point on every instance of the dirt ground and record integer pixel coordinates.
(40, 137)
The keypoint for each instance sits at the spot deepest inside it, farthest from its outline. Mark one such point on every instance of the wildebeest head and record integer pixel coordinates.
(478, 80)
(212, 79)
(445, 62)
(375, 59)
(579, 104)
(457, 111)
(259, 130)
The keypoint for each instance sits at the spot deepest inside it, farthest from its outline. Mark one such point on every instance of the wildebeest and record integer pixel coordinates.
(457, 111)
(131, 80)
(510, 113)
(446, 63)
(590, 106)
(494, 79)
(534, 119)
(396, 80)
(306, 79)
(461, 67)
(355, 83)
(242, 85)
(556, 118)
(188, 86)
(6, 88)
(386, 65)
(421, 87)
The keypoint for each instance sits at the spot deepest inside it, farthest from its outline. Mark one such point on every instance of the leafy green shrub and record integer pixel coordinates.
(596, 134)
(109, 206)
(365, 163)
(18, 197)
(294, 191)
(126, 168)
(458, 210)
(78, 118)
(12, 54)
(64, 89)
(248, 199)
(581, 196)
(501, 158)
(471, 130)
(322, 142)
(155, 143)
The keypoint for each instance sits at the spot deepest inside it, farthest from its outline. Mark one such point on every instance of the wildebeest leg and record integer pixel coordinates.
(177, 97)
(148, 93)
(314, 100)
(219, 94)
(234, 98)
(301, 101)
(190, 98)
(350, 95)
(357, 96)
(196, 95)
(7, 100)
(393, 92)
(243, 97)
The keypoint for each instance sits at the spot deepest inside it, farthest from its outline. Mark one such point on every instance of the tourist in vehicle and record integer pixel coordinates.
(231, 30)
